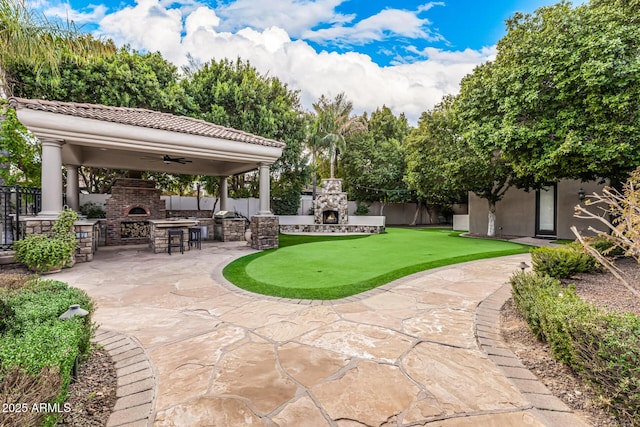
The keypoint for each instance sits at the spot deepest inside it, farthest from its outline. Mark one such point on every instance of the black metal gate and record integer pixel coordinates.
(16, 201)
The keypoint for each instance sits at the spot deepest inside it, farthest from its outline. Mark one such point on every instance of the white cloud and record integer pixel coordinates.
(200, 31)
(294, 16)
(146, 26)
(65, 12)
(389, 22)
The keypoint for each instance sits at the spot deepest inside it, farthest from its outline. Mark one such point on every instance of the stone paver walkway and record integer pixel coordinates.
(406, 354)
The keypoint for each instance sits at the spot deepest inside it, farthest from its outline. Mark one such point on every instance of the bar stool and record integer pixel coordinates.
(178, 242)
(195, 237)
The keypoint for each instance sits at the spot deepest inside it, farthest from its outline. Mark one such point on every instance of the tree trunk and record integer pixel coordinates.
(426, 206)
(382, 208)
(491, 226)
(332, 160)
(313, 181)
(416, 214)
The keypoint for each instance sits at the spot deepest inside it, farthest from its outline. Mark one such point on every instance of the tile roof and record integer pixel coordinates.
(143, 118)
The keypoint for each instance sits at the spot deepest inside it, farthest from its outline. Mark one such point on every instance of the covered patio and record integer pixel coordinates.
(74, 135)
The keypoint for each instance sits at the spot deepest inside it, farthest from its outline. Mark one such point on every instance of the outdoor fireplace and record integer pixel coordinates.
(331, 205)
(330, 217)
(132, 204)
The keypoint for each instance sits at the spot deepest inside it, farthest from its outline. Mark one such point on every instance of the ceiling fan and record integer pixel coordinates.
(168, 160)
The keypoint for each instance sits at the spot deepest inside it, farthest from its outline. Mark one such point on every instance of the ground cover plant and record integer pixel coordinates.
(602, 346)
(37, 349)
(331, 267)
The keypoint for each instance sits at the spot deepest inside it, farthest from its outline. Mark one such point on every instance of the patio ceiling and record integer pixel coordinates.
(138, 139)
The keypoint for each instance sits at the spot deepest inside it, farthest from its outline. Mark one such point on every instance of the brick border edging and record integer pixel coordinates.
(136, 390)
(487, 332)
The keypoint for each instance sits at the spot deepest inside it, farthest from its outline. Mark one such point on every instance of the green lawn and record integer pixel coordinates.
(331, 267)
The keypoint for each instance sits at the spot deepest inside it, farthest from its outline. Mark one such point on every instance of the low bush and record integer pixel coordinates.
(361, 209)
(21, 390)
(562, 262)
(602, 347)
(605, 246)
(92, 210)
(42, 253)
(34, 340)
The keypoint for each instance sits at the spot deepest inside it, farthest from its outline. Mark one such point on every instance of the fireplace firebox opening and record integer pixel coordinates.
(330, 217)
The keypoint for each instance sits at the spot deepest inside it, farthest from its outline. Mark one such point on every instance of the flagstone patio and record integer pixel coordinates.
(405, 354)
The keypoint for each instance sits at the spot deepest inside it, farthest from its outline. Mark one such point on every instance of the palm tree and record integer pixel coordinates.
(28, 37)
(334, 122)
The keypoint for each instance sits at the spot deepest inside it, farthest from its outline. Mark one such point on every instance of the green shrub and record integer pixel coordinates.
(42, 253)
(92, 210)
(605, 246)
(35, 340)
(562, 262)
(285, 200)
(607, 349)
(603, 347)
(362, 209)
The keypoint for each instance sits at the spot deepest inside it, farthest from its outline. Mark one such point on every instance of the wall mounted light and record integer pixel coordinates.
(82, 235)
(581, 194)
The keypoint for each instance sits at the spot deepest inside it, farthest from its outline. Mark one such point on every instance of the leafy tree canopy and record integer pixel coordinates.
(234, 94)
(126, 79)
(373, 163)
(561, 98)
(443, 165)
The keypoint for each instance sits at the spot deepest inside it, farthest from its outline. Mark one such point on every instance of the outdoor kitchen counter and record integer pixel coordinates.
(159, 231)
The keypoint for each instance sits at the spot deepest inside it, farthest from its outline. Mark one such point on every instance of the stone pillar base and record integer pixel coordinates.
(264, 232)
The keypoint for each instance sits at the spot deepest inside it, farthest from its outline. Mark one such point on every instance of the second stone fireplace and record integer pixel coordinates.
(331, 205)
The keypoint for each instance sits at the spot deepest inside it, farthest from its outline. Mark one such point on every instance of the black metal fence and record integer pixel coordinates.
(16, 201)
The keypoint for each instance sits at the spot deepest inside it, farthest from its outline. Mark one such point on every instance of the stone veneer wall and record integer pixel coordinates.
(233, 229)
(125, 194)
(332, 199)
(86, 245)
(264, 232)
(160, 243)
(332, 228)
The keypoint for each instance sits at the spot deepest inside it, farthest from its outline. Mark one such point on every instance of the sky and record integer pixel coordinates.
(403, 54)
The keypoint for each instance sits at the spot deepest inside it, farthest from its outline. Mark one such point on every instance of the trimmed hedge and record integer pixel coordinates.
(602, 347)
(562, 262)
(34, 340)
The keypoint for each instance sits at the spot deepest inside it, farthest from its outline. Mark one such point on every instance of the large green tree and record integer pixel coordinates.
(373, 163)
(446, 159)
(125, 79)
(234, 94)
(566, 85)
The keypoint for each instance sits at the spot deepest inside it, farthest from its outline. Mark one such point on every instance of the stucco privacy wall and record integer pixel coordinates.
(516, 212)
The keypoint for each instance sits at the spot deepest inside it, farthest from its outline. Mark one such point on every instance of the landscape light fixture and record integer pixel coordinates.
(523, 265)
(74, 310)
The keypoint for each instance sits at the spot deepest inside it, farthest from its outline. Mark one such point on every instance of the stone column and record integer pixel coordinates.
(224, 193)
(73, 193)
(265, 190)
(51, 177)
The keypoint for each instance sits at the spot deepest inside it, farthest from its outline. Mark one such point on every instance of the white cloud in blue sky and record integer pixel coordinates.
(387, 53)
